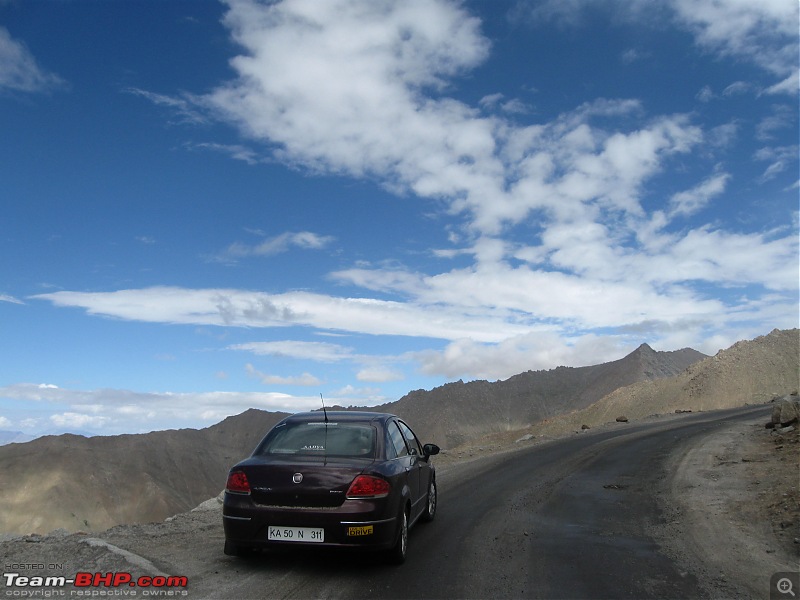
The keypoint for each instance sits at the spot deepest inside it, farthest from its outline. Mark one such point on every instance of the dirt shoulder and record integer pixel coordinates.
(732, 508)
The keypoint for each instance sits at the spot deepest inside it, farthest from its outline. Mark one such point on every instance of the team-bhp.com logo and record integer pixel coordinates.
(95, 584)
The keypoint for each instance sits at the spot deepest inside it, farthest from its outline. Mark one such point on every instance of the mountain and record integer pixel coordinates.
(455, 413)
(81, 483)
(749, 372)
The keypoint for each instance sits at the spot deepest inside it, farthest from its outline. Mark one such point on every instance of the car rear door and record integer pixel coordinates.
(408, 462)
(419, 470)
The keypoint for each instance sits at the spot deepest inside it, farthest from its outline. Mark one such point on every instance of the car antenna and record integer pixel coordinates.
(325, 412)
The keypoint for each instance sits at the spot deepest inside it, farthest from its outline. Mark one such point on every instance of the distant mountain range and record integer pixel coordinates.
(14, 437)
(80, 483)
(18, 437)
(749, 372)
(455, 413)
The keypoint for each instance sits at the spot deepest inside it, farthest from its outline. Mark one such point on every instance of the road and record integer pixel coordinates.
(564, 519)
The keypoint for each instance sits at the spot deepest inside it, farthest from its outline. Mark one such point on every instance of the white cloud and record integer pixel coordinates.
(783, 117)
(633, 55)
(375, 368)
(19, 71)
(491, 101)
(186, 109)
(584, 274)
(495, 101)
(365, 396)
(235, 151)
(112, 411)
(543, 350)
(11, 299)
(722, 136)
(351, 102)
(314, 105)
(588, 300)
(304, 240)
(763, 32)
(306, 379)
(711, 255)
(787, 86)
(689, 202)
(779, 158)
(72, 420)
(316, 351)
(378, 374)
(90, 408)
(334, 107)
(706, 94)
(572, 13)
(5, 423)
(737, 88)
(515, 106)
(242, 308)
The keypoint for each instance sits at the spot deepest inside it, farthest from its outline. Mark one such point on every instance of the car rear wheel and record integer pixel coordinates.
(430, 507)
(398, 553)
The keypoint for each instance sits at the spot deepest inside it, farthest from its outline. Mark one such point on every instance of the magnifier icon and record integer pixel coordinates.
(785, 586)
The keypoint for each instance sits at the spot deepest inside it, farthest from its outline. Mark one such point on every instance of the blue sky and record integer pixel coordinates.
(212, 206)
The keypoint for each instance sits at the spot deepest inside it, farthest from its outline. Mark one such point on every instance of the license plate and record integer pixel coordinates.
(296, 534)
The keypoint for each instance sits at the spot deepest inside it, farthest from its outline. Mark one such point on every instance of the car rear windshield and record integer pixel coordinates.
(354, 440)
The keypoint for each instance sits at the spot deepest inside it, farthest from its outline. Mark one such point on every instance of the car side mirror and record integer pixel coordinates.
(430, 450)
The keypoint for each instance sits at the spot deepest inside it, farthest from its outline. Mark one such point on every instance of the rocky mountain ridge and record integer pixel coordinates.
(749, 372)
(458, 412)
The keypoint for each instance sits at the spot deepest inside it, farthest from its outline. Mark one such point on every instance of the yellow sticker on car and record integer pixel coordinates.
(360, 530)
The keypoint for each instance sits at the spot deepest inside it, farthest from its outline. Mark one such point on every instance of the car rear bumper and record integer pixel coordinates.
(356, 523)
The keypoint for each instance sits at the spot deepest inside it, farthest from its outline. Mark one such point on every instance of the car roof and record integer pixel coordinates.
(340, 416)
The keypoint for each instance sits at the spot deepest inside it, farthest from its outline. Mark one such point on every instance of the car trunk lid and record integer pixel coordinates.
(307, 483)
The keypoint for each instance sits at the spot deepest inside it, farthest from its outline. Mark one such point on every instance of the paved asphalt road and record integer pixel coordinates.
(567, 519)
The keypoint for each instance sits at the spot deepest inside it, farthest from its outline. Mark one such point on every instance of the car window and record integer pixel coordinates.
(412, 440)
(396, 438)
(333, 439)
(391, 451)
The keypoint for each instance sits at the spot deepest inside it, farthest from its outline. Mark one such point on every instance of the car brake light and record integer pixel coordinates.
(366, 486)
(237, 482)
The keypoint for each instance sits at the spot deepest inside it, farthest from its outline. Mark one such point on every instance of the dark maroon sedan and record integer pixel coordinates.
(342, 479)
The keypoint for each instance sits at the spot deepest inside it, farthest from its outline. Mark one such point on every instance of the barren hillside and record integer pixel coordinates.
(749, 372)
(90, 484)
(456, 413)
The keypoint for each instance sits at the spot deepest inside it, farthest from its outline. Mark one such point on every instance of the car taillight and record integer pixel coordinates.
(237, 482)
(366, 486)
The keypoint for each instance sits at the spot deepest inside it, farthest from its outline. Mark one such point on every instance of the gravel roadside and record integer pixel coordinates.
(733, 509)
